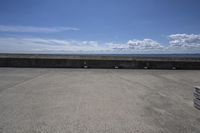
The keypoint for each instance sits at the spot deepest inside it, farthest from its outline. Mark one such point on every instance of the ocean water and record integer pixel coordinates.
(113, 55)
(145, 55)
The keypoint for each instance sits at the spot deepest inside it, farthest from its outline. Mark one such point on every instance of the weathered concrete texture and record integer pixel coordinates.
(97, 101)
(97, 61)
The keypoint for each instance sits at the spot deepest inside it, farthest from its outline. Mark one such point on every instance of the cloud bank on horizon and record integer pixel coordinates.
(178, 43)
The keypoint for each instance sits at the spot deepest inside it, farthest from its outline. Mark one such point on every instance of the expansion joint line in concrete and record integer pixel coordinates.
(28, 80)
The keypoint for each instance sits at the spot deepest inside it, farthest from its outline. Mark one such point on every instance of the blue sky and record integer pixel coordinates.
(127, 26)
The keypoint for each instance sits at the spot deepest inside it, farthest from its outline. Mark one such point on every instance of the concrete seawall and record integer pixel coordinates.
(97, 61)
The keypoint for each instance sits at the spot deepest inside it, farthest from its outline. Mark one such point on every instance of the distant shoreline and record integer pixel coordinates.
(111, 55)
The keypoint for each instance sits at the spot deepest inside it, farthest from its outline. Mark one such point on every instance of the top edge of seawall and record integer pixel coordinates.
(139, 57)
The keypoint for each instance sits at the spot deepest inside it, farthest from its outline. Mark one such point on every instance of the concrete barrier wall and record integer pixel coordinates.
(136, 63)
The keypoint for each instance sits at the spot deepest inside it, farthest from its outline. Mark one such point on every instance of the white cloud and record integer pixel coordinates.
(117, 46)
(146, 44)
(62, 46)
(50, 45)
(179, 43)
(32, 29)
(184, 42)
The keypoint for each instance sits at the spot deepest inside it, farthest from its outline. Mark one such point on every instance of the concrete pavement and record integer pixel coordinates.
(34, 100)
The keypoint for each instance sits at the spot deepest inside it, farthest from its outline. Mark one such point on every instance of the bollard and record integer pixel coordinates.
(173, 68)
(116, 67)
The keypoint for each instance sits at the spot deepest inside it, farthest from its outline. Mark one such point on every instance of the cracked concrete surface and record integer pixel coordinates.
(34, 100)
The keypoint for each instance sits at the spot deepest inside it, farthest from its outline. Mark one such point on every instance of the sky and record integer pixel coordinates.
(99, 26)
